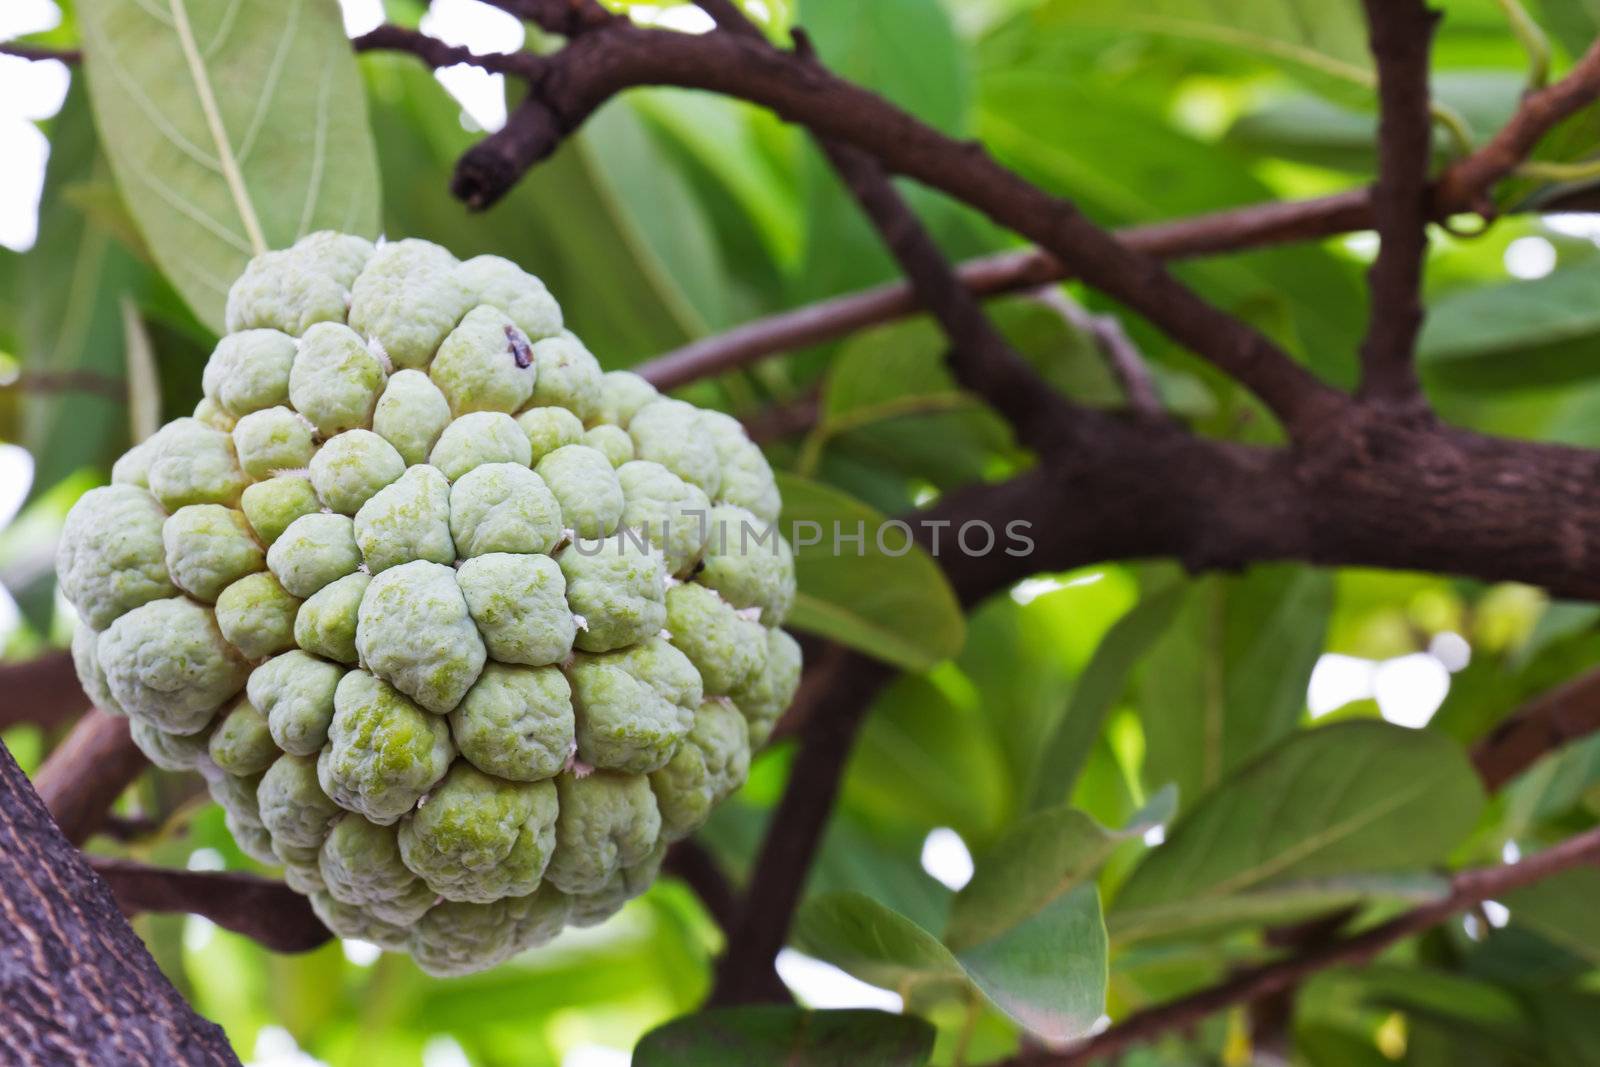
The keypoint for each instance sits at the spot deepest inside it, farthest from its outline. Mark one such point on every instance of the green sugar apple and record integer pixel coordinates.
(462, 631)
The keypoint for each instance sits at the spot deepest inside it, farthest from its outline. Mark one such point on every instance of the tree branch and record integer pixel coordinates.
(37, 54)
(778, 877)
(692, 862)
(1468, 888)
(982, 360)
(1468, 183)
(87, 772)
(1124, 359)
(568, 18)
(1564, 714)
(1463, 187)
(43, 691)
(593, 68)
(1401, 35)
(262, 909)
(79, 987)
(436, 53)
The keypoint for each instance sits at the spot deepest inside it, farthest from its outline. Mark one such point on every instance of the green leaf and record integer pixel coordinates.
(1304, 826)
(906, 50)
(932, 728)
(1574, 25)
(724, 136)
(897, 608)
(1228, 676)
(789, 1036)
(1538, 331)
(69, 288)
(1054, 130)
(877, 944)
(1562, 909)
(1047, 972)
(670, 237)
(1044, 856)
(232, 128)
(1328, 40)
(1313, 129)
(1062, 758)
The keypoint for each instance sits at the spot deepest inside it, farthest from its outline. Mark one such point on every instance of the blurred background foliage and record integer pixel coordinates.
(674, 215)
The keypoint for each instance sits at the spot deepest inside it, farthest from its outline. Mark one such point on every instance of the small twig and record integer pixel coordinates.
(37, 54)
(1562, 715)
(437, 54)
(262, 909)
(1401, 34)
(87, 772)
(1468, 888)
(1467, 184)
(1127, 363)
(70, 381)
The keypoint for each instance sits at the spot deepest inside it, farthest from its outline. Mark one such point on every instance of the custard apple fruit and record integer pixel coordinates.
(462, 631)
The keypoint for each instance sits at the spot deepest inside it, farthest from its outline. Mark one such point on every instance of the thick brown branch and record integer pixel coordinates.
(1401, 35)
(262, 909)
(43, 691)
(1468, 888)
(76, 984)
(595, 67)
(87, 772)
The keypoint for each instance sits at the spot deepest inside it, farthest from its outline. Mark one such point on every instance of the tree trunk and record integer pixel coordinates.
(76, 984)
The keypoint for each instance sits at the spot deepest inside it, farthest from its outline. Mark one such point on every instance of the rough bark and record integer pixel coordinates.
(76, 984)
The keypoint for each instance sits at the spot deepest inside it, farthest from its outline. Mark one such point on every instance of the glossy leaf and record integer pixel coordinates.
(867, 595)
(1562, 909)
(790, 1036)
(1044, 856)
(1521, 333)
(1102, 682)
(1228, 676)
(1047, 971)
(1330, 42)
(232, 128)
(1305, 825)
(1056, 132)
(876, 944)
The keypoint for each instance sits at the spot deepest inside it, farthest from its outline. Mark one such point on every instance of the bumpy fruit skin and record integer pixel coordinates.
(461, 630)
